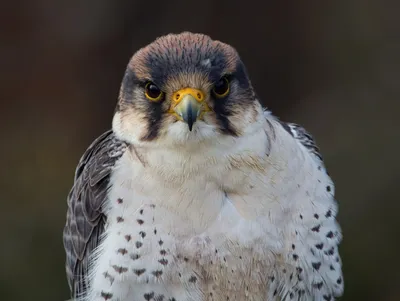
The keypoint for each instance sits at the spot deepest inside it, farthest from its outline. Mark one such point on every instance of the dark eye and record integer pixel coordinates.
(221, 87)
(152, 92)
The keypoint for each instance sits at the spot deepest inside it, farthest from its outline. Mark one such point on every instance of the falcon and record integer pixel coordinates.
(198, 192)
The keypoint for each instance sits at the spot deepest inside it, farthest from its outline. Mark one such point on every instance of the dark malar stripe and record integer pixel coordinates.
(222, 113)
(153, 120)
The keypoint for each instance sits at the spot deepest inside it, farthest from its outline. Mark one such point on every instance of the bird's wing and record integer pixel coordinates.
(85, 218)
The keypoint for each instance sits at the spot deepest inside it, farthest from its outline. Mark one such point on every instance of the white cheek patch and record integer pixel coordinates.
(206, 63)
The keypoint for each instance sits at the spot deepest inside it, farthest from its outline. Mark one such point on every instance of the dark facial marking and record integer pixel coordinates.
(218, 63)
(223, 113)
(241, 76)
(153, 117)
(129, 83)
(240, 96)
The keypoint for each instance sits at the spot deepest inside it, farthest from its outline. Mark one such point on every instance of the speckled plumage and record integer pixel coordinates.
(240, 208)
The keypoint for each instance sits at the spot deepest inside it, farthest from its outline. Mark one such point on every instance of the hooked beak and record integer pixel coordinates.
(188, 104)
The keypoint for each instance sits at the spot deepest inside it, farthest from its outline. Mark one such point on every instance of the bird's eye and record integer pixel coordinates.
(152, 92)
(221, 88)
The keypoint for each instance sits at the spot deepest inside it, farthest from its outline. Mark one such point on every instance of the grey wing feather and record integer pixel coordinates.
(304, 137)
(85, 219)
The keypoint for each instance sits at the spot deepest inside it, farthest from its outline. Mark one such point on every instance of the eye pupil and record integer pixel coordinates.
(221, 88)
(152, 91)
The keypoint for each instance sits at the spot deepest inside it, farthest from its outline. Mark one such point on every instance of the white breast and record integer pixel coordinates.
(211, 230)
(171, 241)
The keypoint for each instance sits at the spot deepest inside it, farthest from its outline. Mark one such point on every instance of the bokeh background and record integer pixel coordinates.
(332, 66)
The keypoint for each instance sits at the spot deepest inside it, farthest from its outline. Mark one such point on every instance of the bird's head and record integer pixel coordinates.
(184, 88)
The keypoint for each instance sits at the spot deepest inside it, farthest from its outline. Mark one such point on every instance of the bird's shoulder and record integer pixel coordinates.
(85, 218)
(299, 133)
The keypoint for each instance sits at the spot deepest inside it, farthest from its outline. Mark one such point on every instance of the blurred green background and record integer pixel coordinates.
(332, 66)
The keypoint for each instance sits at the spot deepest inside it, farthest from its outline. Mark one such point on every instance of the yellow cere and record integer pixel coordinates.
(196, 93)
(178, 95)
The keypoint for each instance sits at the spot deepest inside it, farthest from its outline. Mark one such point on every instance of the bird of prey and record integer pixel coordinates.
(198, 192)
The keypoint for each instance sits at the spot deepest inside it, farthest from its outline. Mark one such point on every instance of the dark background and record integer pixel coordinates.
(332, 66)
